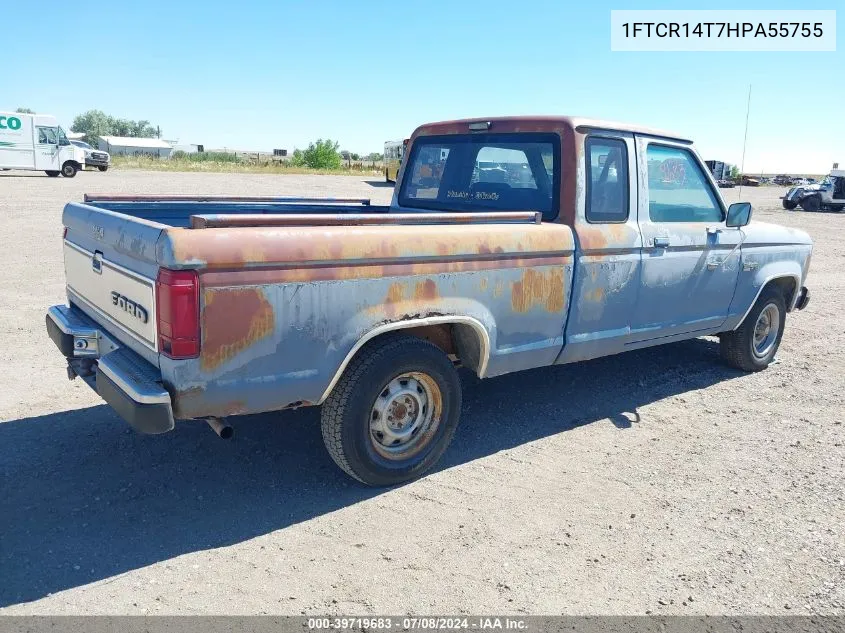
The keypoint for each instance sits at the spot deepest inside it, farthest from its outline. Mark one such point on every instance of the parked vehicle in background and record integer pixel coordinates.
(35, 142)
(784, 180)
(225, 306)
(726, 184)
(749, 181)
(94, 157)
(828, 195)
(394, 151)
(719, 170)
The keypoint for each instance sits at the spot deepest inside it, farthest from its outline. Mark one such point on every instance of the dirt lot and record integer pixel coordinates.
(656, 481)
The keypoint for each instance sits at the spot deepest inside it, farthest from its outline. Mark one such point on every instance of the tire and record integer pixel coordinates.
(52, 174)
(397, 375)
(103, 167)
(69, 170)
(811, 203)
(789, 205)
(749, 352)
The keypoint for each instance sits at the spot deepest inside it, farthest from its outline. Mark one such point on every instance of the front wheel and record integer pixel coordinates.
(753, 345)
(811, 203)
(394, 411)
(789, 205)
(69, 170)
(103, 168)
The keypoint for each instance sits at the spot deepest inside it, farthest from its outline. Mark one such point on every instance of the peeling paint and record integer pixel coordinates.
(232, 320)
(538, 288)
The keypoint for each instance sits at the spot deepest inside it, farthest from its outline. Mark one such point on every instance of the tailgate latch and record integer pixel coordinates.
(97, 262)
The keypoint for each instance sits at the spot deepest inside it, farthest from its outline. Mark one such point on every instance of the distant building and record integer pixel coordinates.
(188, 148)
(132, 146)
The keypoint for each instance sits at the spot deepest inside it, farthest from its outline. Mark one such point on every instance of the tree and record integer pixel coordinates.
(320, 155)
(375, 157)
(25, 111)
(96, 123)
(734, 171)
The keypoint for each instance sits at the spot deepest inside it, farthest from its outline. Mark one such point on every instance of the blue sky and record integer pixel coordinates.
(265, 74)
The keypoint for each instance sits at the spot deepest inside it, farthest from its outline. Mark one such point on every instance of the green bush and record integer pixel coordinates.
(320, 155)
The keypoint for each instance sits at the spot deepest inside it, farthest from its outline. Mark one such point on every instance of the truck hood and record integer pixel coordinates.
(815, 187)
(767, 233)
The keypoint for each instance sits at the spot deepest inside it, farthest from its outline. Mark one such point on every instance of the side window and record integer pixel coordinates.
(677, 188)
(47, 135)
(607, 180)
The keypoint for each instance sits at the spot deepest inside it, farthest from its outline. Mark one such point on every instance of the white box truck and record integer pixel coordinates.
(35, 142)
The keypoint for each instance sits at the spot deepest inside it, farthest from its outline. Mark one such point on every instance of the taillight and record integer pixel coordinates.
(178, 313)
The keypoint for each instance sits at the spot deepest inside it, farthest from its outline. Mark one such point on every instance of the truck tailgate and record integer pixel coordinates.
(117, 294)
(110, 269)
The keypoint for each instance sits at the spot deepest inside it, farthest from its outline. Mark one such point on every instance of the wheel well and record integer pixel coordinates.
(466, 340)
(459, 340)
(72, 162)
(787, 287)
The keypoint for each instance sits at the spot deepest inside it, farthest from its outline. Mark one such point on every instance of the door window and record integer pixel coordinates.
(607, 180)
(48, 136)
(677, 188)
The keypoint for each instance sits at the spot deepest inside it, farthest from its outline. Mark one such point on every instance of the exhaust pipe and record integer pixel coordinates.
(220, 427)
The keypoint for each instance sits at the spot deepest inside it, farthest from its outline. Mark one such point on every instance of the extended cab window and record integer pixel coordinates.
(607, 180)
(677, 188)
(484, 172)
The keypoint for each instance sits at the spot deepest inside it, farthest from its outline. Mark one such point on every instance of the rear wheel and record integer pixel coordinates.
(394, 411)
(103, 168)
(52, 174)
(69, 170)
(811, 203)
(753, 345)
(789, 205)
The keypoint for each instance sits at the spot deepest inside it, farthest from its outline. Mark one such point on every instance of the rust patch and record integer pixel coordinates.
(232, 320)
(395, 295)
(426, 290)
(483, 284)
(596, 294)
(499, 288)
(538, 288)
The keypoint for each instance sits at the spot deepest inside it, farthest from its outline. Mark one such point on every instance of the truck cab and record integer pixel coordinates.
(36, 142)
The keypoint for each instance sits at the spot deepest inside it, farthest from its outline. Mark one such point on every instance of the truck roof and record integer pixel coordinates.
(543, 123)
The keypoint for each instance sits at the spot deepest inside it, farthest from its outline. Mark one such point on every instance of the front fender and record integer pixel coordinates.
(751, 284)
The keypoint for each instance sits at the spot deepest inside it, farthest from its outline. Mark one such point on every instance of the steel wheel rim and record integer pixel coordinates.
(67, 170)
(766, 330)
(405, 415)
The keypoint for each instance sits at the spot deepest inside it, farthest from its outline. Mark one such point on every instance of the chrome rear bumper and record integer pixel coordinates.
(128, 383)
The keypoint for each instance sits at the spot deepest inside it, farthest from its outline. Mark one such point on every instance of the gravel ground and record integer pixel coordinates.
(656, 481)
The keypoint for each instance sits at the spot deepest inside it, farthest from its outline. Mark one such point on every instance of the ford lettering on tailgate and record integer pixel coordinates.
(126, 304)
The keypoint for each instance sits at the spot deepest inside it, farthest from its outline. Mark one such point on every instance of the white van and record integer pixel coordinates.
(36, 142)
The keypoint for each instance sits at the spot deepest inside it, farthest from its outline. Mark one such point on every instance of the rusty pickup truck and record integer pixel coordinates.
(510, 243)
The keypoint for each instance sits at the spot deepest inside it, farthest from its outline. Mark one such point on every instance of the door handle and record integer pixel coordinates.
(661, 242)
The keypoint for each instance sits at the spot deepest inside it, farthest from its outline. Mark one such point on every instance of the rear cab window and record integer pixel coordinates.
(484, 172)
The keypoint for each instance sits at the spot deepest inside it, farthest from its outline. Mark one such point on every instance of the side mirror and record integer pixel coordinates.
(739, 214)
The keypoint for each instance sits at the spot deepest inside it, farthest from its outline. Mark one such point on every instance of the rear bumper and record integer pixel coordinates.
(127, 382)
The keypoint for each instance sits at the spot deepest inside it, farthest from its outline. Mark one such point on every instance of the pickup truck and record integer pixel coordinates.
(605, 238)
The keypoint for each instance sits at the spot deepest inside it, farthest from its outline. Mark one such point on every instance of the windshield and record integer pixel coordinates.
(826, 180)
(484, 172)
